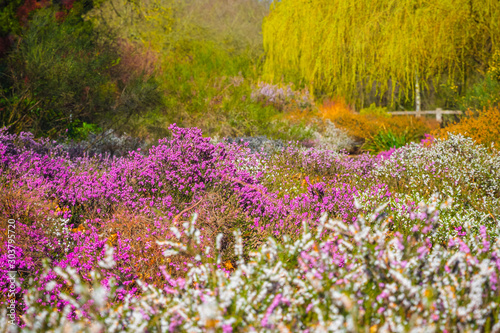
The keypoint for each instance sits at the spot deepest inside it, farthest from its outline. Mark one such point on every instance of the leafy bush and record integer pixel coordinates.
(484, 94)
(385, 140)
(374, 110)
(56, 65)
(483, 126)
(62, 75)
(208, 63)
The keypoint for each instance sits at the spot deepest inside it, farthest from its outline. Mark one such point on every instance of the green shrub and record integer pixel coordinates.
(208, 64)
(374, 110)
(385, 140)
(62, 74)
(80, 130)
(484, 94)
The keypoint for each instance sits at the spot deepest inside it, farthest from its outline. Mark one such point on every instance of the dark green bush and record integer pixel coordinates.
(63, 74)
(484, 94)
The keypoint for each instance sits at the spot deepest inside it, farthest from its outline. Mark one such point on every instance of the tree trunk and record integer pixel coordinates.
(417, 97)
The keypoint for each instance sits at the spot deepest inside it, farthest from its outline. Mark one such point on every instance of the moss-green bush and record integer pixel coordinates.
(62, 74)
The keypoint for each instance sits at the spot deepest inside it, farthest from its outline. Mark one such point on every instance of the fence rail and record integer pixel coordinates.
(438, 112)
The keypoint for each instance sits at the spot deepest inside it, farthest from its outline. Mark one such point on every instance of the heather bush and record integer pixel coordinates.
(330, 137)
(106, 142)
(105, 238)
(338, 278)
(282, 98)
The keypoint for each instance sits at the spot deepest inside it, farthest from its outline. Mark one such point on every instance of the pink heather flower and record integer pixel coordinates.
(493, 280)
(270, 309)
(463, 247)
(459, 231)
(427, 141)
(382, 296)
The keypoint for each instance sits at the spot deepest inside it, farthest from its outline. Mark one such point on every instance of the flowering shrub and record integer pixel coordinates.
(338, 278)
(282, 98)
(484, 127)
(107, 142)
(331, 137)
(107, 241)
(324, 133)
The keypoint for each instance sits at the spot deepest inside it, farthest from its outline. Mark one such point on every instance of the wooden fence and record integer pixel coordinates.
(438, 112)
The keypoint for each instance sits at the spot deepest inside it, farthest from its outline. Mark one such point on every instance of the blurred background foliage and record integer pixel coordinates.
(376, 51)
(69, 68)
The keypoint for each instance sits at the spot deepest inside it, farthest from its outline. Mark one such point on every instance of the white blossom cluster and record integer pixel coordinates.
(60, 233)
(457, 168)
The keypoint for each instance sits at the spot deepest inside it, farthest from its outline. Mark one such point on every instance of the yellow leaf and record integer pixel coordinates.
(211, 323)
(112, 240)
(228, 265)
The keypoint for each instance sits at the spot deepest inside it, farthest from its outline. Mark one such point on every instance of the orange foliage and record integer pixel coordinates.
(484, 126)
(366, 126)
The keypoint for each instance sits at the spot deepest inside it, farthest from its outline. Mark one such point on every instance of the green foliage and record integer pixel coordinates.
(8, 18)
(385, 140)
(374, 110)
(149, 22)
(483, 94)
(60, 67)
(80, 130)
(70, 75)
(348, 49)
(208, 55)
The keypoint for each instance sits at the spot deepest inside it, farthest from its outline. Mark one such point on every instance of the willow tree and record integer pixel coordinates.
(339, 47)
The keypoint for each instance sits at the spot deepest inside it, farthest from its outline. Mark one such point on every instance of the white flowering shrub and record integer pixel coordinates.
(456, 168)
(332, 138)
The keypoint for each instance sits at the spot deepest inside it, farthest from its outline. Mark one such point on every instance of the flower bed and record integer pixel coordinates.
(106, 241)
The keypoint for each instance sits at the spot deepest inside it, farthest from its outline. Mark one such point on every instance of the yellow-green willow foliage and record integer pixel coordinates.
(145, 21)
(234, 25)
(339, 47)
